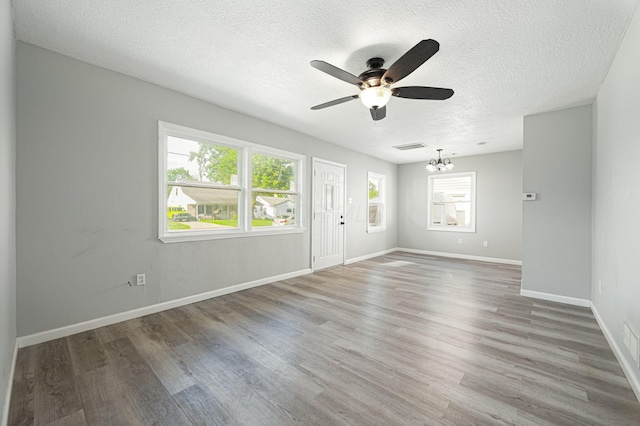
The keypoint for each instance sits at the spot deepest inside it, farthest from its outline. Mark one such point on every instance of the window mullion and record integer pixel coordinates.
(247, 174)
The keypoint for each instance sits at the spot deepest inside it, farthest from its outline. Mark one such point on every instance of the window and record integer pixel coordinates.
(452, 202)
(273, 190)
(376, 204)
(212, 186)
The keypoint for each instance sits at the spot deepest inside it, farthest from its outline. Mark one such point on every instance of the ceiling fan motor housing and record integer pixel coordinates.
(373, 76)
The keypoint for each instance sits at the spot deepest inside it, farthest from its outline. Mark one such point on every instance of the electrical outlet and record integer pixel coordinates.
(485, 244)
(460, 241)
(140, 279)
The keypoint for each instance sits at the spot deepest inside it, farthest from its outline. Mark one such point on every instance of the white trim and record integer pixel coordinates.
(585, 303)
(369, 256)
(463, 256)
(205, 236)
(628, 370)
(45, 336)
(333, 163)
(7, 398)
(374, 229)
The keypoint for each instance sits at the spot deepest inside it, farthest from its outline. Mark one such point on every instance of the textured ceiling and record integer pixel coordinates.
(504, 59)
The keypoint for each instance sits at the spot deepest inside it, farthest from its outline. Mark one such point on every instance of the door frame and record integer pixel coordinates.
(314, 161)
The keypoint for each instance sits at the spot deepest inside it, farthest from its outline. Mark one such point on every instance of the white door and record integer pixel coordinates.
(328, 213)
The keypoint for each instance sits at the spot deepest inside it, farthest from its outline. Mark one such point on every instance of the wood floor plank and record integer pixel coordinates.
(170, 370)
(150, 400)
(399, 339)
(55, 389)
(74, 419)
(117, 331)
(21, 410)
(87, 353)
(242, 402)
(202, 407)
(104, 399)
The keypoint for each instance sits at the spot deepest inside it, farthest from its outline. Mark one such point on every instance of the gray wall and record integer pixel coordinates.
(556, 256)
(87, 199)
(498, 208)
(616, 192)
(7, 195)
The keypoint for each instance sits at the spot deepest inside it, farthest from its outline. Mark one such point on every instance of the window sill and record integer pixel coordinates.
(451, 229)
(182, 237)
(376, 229)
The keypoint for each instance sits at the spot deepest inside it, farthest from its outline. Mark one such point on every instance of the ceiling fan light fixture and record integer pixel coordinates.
(375, 97)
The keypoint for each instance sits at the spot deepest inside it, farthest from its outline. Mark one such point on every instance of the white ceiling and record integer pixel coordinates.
(504, 59)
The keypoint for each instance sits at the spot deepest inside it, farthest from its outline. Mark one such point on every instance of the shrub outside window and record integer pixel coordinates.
(212, 186)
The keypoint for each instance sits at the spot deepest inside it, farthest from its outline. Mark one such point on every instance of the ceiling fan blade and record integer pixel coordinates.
(336, 72)
(334, 102)
(378, 113)
(419, 92)
(411, 60)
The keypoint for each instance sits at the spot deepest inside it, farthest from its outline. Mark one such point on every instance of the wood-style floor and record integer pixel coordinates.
(399, 339)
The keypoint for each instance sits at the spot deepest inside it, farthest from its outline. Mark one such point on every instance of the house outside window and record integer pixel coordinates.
(212, 186)
(452, 202)
(376, 185)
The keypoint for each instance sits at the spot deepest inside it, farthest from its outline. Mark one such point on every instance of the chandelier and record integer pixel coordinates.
(439, 165)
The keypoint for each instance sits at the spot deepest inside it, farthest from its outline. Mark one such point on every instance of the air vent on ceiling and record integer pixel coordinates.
(410, 146)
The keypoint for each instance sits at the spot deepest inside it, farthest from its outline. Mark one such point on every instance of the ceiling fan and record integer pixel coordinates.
(374, 83)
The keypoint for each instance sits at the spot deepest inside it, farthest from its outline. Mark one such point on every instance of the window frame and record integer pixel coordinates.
(381, 203)
(244, 186)
(472, 201)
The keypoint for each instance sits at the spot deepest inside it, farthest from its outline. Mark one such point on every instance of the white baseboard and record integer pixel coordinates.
(369, 256)
(462, 256)
(45, 336)
(585, 303)
(628, 370)
(7, 398)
